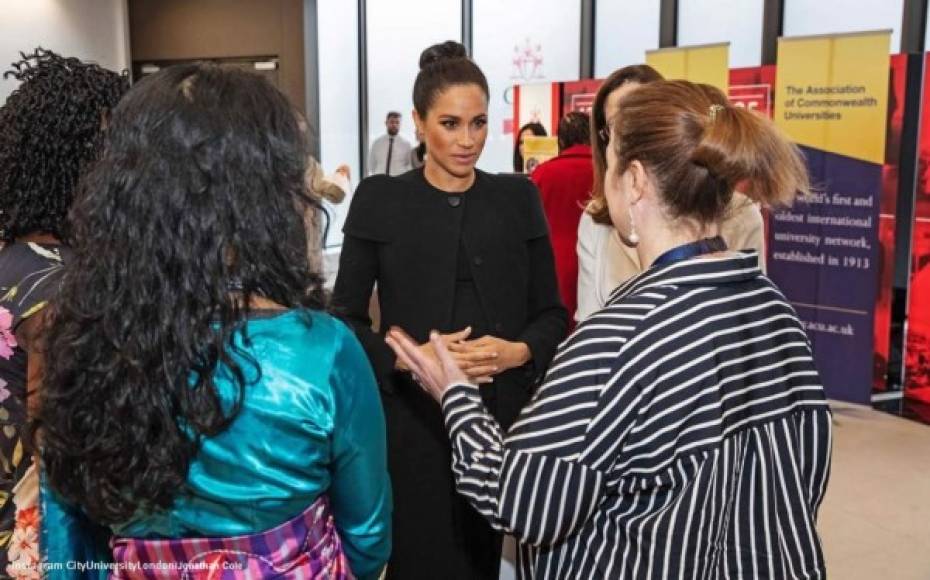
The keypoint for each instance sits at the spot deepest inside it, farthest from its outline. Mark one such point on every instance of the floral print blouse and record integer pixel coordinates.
(29, 276)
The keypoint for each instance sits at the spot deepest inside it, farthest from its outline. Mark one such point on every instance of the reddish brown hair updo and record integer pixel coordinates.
(698, 148)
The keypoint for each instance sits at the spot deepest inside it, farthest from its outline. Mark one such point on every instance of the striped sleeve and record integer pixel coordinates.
(532, 482)
(515, 490)
(815, 444)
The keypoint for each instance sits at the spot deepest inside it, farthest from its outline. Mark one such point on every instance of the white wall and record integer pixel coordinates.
(91, 30)
(738, 22)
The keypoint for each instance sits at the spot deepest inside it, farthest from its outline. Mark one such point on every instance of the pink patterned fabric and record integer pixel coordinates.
(304, 548)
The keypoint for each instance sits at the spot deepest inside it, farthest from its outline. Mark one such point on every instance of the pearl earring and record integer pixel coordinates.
(633, 237)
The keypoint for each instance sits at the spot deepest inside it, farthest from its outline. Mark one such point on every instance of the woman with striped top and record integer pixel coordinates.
(682, 430)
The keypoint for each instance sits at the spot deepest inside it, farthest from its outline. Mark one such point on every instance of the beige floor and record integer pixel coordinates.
(875, 519)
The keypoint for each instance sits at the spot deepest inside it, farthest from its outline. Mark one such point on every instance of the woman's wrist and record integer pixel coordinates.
(523, 353)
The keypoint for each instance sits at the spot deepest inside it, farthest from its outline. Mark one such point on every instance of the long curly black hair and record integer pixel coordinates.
(50, 129)
(194, 209)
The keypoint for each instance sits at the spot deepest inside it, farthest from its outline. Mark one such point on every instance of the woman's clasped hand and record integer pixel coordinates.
(476, 360)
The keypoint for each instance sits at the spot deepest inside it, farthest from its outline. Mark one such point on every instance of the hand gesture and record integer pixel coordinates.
(427, 347)
(434, 372)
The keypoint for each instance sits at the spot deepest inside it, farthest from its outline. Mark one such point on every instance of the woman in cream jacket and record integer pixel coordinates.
(604, 261)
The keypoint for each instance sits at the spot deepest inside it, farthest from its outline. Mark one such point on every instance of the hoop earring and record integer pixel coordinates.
(633, 237)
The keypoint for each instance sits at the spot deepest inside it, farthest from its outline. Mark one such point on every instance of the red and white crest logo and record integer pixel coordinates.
(527, 61)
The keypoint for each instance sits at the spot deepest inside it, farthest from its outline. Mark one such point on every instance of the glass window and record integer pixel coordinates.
(518, 42)
(805, 17)
(623, 31)
(738, 22)
(398, 31)
(337, 24)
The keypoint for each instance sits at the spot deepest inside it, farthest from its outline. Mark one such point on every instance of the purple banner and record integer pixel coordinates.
(823, 253)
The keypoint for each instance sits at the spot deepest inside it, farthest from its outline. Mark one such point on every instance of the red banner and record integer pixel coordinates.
(917, 359)
(753, 88)
(887, 212)
(579, 95)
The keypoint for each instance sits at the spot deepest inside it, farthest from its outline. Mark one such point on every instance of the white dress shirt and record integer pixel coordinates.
(400, 155)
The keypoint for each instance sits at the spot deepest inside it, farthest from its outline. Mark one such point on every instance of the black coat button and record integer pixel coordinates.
(478, 261)
(454, 200)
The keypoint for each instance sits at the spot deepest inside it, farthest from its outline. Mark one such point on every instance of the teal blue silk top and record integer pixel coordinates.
(311, 423)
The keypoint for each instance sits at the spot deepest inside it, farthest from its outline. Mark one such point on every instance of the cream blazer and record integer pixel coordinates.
(604, 262)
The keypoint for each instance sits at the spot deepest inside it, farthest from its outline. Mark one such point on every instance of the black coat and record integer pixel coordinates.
(405, 235)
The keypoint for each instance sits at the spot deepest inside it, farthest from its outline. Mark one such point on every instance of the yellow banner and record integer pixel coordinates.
(832, 92)
(708, 64)
(538, 150)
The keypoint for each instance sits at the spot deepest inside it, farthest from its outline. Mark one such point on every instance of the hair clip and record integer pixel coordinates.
(713, 110)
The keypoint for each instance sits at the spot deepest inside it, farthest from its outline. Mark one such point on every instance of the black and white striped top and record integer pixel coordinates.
(681, 432)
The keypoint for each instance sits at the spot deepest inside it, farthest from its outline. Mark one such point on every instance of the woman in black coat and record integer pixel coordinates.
(456, 249)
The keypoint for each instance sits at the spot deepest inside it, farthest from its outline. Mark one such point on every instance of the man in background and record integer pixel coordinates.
(390, 153)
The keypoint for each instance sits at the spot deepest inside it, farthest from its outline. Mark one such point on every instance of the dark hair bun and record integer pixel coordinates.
(447, 50)
(443, 65)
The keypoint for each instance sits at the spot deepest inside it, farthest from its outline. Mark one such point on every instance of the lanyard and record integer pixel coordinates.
(694, 249)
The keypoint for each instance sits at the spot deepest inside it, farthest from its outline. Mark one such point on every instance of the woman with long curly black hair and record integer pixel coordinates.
(202, 404)
(51, 128)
